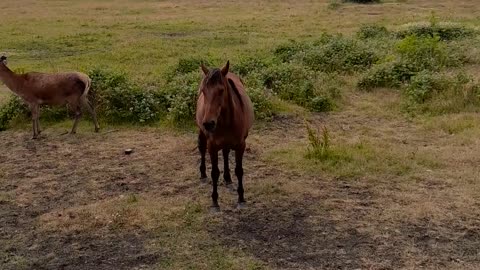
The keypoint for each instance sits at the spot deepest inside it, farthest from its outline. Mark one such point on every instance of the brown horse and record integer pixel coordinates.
(224, 116)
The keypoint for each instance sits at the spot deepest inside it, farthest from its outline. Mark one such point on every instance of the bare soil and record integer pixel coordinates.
(295, 219)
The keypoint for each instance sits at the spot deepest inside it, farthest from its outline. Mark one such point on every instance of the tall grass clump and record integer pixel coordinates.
(319, 143)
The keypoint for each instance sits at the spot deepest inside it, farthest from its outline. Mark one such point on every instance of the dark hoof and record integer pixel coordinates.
(241, 205)
(97, 130)
(230, 188)
(72, 132)
(34, 137)
(214, 209)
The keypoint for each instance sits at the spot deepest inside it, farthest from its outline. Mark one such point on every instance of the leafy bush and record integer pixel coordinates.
(262, 104)
(423, 86)
(251, 65)
(118, 99)
(426, 53)
(181, 96)
(372, 31)
(443, 30)
(10, 110)
(287, 51)
(261, 100)
(189, 64)
(439, 93)
(321, 104)
(336, 53)
(390, 74)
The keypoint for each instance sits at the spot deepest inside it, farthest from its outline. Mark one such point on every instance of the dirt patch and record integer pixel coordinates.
(295, 235)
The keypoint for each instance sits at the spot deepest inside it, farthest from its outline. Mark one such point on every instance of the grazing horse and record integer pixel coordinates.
(224, 116)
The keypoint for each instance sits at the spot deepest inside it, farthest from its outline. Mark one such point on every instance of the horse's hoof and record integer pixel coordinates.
(34, 137)
(214, 209)
(241, 205)
(97, 130)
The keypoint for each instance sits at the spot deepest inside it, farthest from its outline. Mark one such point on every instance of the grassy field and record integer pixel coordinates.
(396, 191)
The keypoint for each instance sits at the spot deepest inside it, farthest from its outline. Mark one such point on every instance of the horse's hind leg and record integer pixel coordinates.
(226, 169)
(78, 115)
(91, 110)
(239, 173)
(202, 147)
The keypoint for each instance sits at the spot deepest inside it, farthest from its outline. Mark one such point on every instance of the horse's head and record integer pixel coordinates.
(215, 93)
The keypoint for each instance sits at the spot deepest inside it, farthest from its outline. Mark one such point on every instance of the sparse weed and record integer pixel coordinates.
(319, 143)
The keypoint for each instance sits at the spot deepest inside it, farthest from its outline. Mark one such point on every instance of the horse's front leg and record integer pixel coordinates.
(202, 147)
(215, 175)
(226, 170)
(239, 173)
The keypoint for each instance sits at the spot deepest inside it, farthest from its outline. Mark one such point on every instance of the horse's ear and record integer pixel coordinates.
(204, 69)
(225, 69)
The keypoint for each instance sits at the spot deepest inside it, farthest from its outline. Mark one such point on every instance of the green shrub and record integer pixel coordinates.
(321, 104)
(372, 31)
(293, 82)
(262, 104)
(261, 100)
(290, 82)
(181, 96)
(337, 53)
(425, 53)
(390, 74)
(443, 30)
(251, 64)
(438, 93)
(13, 108)
(189, 64)
(118, 99)
(287, 51)
(424, 85)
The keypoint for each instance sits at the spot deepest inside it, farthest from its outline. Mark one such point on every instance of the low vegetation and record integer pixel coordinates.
(411, 58)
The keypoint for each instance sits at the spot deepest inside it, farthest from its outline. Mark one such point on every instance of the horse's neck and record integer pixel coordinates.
(9, 78)
(229, 111)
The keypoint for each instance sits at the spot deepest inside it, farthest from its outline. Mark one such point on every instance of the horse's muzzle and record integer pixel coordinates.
(209, 126)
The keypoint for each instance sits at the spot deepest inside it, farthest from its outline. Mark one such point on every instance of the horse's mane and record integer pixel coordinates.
(235, 90)
(214, 76)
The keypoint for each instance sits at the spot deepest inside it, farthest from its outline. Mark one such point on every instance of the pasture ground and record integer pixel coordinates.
(404, 194)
